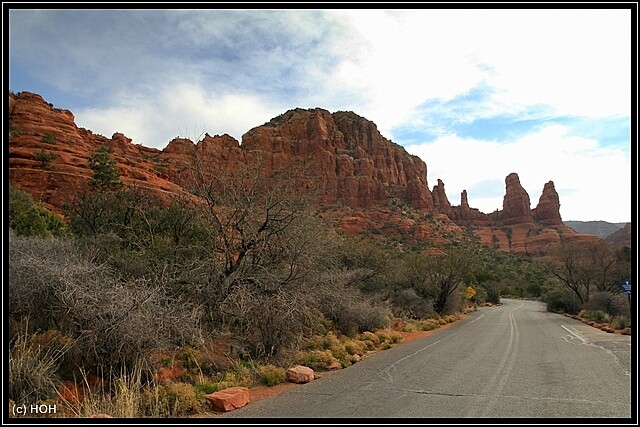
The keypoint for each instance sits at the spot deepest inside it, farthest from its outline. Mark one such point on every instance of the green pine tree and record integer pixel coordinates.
(106, 175)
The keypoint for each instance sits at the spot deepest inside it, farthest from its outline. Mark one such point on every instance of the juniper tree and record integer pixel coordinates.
(106, 175)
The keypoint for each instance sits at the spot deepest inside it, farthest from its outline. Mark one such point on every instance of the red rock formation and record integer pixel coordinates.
(519, 230)
(440, 200)
(344, 154)
(366, 184)
(548, 210)
(516, 207)
(465, 215)
(36, 126)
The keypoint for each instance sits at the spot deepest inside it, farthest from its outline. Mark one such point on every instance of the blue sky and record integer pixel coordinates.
(477, 94)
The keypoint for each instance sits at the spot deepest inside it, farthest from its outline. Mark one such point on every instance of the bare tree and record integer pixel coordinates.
(255, 216)
(584, 268)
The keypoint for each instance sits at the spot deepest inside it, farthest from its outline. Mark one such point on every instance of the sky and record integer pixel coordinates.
(477, 94)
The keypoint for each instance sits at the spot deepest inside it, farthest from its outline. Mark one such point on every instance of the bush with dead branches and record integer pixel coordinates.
(58, 286)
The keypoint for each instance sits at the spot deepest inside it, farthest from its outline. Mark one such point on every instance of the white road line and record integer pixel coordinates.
(573, 333)
(475, 320)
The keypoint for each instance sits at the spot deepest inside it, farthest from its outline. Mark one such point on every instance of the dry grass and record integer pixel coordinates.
(131, 397)
(33, 362)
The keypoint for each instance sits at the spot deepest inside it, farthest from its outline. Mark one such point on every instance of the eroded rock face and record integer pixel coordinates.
(36, 126)
(345, 154)
(515, 229)
(465, 215)
(364, 182)
(440, 200)
(516, 207)
(548, 210)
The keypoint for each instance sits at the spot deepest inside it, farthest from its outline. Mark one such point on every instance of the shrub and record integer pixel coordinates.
(613, 304)
(315, 343)
(264, 322)
(352, 313)
(316, 359)
(597, 316)
(106, 175)
(620, 322)
(57, 286)
(493, 292)
(45, 157)
(242, 373)
(454, 303)
(205, 387)
(178, 398)
(396, 337)
(411, 304)
(189, 358)
(49, 138)
(389, 337)
(429, 324)
(450, 318)
(27, 218)
(272, 375)
(369, 336)
(355, 347)
(39, 222)
(560, 300)
(13, 130)
(412, 326)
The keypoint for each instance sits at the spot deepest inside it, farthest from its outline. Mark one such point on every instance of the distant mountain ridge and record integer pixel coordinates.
(601, 229)
(620, 238)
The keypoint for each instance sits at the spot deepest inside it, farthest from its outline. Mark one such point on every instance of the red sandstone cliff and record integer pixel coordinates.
(347, 156)
(516, 228)
(548, 210)
(365, 183)
(516, 207)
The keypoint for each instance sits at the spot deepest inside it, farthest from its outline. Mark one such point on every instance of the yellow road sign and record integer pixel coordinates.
(470, 292)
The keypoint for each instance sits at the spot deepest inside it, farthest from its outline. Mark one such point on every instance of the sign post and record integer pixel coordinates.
(626, 288)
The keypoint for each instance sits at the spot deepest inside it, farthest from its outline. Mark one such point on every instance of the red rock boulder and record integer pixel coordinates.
(229, 399)
(300, 374)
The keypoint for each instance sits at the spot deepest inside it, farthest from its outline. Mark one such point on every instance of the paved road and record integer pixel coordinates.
(516, 360)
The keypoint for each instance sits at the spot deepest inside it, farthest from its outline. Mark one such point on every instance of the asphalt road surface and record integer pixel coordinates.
(511, 361)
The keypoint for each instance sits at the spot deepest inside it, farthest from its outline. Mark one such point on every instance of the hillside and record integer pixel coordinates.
(601, 229)
(361, 181)
(620, 238)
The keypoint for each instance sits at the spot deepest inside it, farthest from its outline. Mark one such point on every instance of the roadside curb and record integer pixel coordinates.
(602, 326)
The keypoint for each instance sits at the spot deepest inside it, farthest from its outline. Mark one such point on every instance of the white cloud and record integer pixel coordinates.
(577, 62)
(404, 60)
(593, 182)
(184, 110)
